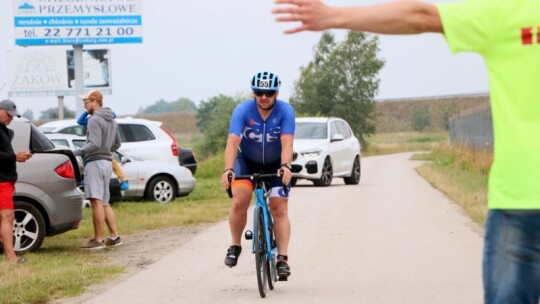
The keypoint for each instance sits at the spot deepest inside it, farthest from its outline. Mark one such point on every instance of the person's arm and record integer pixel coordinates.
(398, 17)
(286, 157)
(94, 139)
(233, 142)
(83, 118)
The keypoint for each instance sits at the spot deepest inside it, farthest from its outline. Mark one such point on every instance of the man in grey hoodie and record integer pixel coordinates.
(102, 139)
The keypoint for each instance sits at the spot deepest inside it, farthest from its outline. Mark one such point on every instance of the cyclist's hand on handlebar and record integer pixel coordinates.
(225, 179)
(286, 176)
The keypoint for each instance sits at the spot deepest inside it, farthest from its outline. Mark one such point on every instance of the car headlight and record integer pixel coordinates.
(311, 153)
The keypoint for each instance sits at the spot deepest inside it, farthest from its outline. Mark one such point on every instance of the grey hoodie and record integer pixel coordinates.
(102, 137)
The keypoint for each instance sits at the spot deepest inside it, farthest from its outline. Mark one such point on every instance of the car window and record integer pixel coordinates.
(343, 129)
(78, 143)
(333, 129)
(38, 141)
(135, 133)
(310, 130)
(76, 130)
(60, 142)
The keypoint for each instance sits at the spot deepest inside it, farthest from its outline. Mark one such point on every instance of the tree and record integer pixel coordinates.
(28, 114)
(52, 113)
(341, 80)
(420, 118)
(163, 106)
(213, 120)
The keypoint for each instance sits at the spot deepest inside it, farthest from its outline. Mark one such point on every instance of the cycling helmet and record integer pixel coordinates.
(265, 81)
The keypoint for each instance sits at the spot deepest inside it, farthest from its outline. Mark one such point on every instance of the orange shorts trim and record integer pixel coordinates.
(242, 183)
(6, 195)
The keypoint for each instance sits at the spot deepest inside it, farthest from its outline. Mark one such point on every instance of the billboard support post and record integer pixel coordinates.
(79, 76)
(60, 107)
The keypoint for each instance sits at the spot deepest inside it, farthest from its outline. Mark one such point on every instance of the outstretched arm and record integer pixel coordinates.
(398, 17)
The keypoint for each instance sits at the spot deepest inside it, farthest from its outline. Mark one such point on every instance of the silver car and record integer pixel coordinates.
(149, 179)
(46, 198)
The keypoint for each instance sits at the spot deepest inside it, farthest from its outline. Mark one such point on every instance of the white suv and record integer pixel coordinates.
(325, 147)
(140, 137)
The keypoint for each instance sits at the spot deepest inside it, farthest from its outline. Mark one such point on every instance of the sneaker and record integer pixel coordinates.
(232, 255)
(94, 245)
(110, 242)
(283, 268)
(124, 185)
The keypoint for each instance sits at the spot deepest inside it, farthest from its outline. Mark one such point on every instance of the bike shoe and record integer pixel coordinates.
(283, 268)
(232, 255)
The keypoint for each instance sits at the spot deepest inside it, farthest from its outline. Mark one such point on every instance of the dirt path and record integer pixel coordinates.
(138, 252)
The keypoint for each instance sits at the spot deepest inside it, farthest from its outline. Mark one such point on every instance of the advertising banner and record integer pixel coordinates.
(77, 22)
(52, 73)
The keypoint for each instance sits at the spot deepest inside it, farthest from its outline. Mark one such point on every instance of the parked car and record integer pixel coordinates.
(325, 148)
(148, 179)
(74, 142)
(140, 137)
(46, 200)
(186, 158)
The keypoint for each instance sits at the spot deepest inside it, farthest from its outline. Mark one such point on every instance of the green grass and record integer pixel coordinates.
(387, 143)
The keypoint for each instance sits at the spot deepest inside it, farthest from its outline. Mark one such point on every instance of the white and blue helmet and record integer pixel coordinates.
(266, 81)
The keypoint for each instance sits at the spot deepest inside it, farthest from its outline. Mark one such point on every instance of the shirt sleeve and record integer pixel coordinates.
(470, 25)
(288, 124)
(236, 125)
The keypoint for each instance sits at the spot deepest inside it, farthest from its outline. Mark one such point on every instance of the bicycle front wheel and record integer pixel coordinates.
(261, 259)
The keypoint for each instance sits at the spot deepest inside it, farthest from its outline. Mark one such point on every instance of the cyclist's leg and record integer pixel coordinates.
(282, 230)
(282, 226)
(242, 193)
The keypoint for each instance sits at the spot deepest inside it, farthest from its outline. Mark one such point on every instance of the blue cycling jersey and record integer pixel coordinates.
(261, 140)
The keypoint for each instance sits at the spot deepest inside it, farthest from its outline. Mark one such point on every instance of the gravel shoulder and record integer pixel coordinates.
(137, 253)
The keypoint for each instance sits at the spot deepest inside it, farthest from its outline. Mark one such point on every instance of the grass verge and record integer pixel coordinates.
(462, 175)
(60, 269)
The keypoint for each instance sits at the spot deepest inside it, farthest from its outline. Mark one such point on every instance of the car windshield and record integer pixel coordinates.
(310, 130)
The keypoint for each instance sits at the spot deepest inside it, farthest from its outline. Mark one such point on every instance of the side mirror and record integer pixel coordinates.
(337, 137)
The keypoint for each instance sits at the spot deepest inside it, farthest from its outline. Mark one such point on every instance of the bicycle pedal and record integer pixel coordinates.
(283, 279)
(248, 235)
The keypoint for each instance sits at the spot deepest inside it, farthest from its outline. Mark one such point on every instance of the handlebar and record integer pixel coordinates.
(255, 177)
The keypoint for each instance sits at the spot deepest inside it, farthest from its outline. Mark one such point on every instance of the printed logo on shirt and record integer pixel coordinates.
(530, 35)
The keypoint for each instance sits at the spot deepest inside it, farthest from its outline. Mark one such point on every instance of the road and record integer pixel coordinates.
(391, 239)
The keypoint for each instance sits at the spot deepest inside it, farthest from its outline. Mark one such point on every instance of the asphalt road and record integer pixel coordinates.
(391, 239)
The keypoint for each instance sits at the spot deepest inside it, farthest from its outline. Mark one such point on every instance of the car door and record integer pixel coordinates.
(337, 148)
(350, 146)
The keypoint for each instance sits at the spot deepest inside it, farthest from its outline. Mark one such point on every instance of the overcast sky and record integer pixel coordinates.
(199, 49)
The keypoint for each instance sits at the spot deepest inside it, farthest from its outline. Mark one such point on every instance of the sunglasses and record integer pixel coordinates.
(265, 93)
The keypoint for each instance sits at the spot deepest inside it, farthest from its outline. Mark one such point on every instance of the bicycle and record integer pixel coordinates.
(263, 244)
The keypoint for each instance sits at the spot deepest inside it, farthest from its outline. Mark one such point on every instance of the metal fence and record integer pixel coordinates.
(472, 130)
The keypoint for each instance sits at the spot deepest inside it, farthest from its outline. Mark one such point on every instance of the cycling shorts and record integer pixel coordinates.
(245, 167)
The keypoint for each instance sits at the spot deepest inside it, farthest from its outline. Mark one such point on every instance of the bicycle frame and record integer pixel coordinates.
(265, 264)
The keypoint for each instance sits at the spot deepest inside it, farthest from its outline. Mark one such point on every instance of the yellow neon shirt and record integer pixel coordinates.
(506, 33)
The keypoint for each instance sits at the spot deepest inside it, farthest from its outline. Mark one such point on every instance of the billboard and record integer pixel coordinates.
(52, 73)
(77, 22)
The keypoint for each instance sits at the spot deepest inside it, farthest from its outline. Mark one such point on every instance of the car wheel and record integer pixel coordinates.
(28, 227)
(354, 179)
(326, 175)
(161, 189)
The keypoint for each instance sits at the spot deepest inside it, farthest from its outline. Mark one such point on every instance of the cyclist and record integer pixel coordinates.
(260, 140)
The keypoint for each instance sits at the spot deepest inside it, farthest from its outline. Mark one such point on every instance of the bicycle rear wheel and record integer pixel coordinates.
(261, 259)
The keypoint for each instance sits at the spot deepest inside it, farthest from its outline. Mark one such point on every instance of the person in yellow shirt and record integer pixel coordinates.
(507, 35)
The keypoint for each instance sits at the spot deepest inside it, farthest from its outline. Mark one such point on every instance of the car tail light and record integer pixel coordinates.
(174, 145)
(65, 170)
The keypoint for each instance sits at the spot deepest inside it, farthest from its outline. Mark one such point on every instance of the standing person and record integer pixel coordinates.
(506, 34)
(117, 169)
(260, 140)
(8, 177)
(102, 139)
